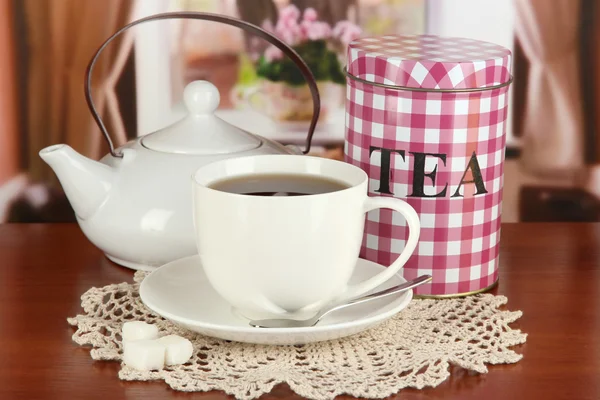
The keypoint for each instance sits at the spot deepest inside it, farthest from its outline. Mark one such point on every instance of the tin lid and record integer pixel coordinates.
(429, 62)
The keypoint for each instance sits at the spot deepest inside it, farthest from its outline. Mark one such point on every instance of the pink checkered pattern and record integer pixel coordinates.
(460, 235)
(429, 61)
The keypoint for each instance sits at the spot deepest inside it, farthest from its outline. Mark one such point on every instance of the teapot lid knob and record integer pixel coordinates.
(201, 97)
(201, 131)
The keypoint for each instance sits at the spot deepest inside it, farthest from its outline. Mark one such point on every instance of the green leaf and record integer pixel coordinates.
(322, 62)
(247, 73)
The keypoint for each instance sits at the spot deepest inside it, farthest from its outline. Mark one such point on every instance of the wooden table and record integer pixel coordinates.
(549, 271)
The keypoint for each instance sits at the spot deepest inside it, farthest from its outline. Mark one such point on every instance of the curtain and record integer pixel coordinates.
(553, 120)
(596, 77)
(9, 153)
(61, 37)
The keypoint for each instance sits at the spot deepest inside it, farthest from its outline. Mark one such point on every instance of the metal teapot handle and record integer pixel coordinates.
(287, 50)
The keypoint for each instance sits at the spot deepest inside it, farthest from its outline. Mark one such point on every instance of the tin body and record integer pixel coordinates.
(438, 142)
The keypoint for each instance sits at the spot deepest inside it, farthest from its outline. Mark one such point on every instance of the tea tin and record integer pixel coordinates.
(426, 120)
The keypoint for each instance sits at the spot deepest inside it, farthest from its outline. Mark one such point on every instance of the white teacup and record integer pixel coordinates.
(287, 257)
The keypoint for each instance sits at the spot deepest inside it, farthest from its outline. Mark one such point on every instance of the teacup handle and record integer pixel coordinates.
(414, 227)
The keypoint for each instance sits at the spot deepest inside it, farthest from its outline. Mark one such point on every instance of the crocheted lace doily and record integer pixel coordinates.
(413, 349)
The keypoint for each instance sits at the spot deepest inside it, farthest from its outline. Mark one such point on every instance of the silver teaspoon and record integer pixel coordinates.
(292, 323)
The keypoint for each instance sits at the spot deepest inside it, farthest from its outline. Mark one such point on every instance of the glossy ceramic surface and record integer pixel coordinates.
(180, 292)
(138, 208)
(287, 257)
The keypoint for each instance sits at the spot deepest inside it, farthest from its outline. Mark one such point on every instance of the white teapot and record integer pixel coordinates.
(135, 204)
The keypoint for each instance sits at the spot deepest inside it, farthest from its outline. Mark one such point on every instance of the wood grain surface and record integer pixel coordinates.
(549, 271)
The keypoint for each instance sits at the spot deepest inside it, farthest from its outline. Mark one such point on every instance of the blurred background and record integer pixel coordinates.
(552, 171)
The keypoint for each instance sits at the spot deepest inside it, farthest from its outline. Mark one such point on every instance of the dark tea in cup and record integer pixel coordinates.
(279, 185)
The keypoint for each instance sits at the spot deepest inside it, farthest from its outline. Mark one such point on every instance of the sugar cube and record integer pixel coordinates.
(138, 330)
(178, 349)
(144, 354)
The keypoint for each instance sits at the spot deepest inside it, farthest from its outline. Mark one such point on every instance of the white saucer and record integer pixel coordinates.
(180, 292)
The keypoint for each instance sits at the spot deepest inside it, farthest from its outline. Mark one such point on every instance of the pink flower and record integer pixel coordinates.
(291, 31)
(267, 25)
(273, 53)
(346, 31)
(340, 27)
(287, 27)
(289, 12)
(310, 14)
(305, 26)
(350, 35)
(288, 32)
(318, 30)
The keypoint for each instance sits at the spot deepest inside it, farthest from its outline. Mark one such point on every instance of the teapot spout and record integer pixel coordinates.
(86, 182)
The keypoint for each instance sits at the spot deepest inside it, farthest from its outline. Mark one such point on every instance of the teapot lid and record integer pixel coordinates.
(201, 132)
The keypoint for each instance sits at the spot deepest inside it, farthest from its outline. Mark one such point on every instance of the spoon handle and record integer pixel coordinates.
(393, 290)
(286, 323)
(383, 293)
